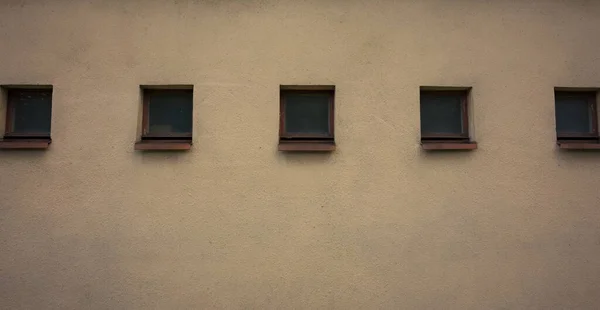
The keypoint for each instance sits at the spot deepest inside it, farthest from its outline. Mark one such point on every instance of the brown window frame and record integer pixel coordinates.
(464, 136)
(10, 114)
(146, 95)
(593, 113)
(285, 136)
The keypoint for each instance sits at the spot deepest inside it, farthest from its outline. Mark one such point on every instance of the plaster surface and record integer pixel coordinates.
(234, 224)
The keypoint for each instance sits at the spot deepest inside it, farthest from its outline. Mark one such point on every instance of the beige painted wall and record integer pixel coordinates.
(233, 224)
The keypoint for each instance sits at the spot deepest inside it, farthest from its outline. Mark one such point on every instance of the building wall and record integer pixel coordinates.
(234, 224)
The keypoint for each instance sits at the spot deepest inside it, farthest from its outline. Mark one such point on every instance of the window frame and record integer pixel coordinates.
(592, 113)
(9, 133)
(464, 102)
(146, 98)
(286, 136)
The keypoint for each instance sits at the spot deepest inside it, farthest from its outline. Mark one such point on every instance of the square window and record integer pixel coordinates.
(306, 114)
(29, 113)
(167, 114)
(444, 115)
(576, 115)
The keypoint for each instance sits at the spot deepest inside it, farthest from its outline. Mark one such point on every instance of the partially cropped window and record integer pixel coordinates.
(167, 119)
(306, 118)
(445, 118)
(576, 118)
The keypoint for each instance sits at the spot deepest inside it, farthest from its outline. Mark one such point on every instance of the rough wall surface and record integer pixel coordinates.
(233, 224)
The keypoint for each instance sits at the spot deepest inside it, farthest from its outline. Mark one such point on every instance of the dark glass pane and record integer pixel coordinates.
(32, 111)
(441, 113)
(170, 112)
(573, 114)
(307, 113)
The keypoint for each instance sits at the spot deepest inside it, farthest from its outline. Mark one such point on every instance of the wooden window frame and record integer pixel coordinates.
(284, 135)
(464, 136)
(592, 113)
(10, 114)
(431, 141)
(147, 94)
(310, 142)
(23, 140)
(162, 141)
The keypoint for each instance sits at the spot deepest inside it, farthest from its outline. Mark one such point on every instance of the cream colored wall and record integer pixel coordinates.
(233, 224)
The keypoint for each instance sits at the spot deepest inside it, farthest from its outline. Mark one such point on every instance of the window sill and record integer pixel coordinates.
(442, 146)
(306, 146)
(162, 146)
(25, 144)
(578, 145)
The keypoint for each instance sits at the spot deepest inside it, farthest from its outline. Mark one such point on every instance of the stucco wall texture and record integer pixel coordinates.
(235, 224)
